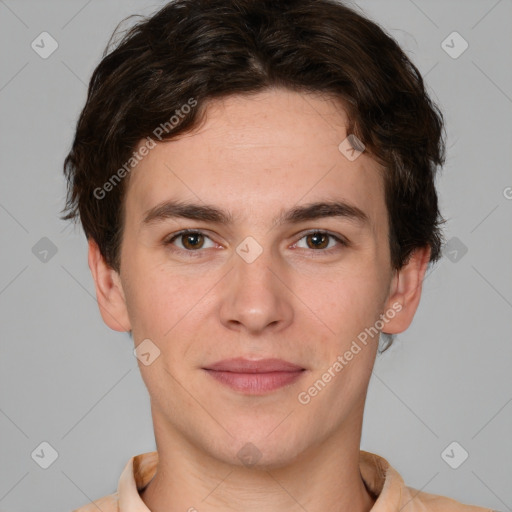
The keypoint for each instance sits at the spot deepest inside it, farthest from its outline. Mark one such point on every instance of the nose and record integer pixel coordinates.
(256, 295)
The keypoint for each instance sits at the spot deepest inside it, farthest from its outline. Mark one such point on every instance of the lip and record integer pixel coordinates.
(255, 377)
(242, 365)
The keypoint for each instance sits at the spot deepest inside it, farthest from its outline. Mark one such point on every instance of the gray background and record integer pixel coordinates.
(67, 379)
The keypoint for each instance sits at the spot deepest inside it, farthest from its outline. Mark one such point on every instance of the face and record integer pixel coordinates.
(273, 279)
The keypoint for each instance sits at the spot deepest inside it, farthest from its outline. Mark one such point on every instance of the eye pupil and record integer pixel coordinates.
(318, 237)
(189, 239)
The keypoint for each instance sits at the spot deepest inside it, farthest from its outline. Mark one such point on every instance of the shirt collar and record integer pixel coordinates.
(380, 478)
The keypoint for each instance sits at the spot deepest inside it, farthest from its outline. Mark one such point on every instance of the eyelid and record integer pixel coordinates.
(168, 240)
(339, 238)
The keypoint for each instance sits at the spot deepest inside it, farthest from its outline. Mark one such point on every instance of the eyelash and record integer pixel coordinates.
(197, 253)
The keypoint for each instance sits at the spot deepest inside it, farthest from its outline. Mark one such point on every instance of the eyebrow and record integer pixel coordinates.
(209, 213)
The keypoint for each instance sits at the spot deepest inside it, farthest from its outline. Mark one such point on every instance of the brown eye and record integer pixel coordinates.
(189, 241)
(319, 240)
(192, 240)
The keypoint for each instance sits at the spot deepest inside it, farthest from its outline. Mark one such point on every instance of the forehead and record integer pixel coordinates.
(255, 155)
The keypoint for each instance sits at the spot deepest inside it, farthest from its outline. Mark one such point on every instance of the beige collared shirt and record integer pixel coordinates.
(378, 475)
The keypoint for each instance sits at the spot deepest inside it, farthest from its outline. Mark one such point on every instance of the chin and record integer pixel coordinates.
(264, 453)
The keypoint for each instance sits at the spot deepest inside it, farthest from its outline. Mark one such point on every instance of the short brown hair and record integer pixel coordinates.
(207, 49)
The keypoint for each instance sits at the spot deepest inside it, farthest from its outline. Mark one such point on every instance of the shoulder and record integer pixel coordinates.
(108, 503)
(384, 481)
(435, 503)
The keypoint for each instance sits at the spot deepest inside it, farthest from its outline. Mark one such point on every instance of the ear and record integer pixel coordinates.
(405, 291)
(109, 291)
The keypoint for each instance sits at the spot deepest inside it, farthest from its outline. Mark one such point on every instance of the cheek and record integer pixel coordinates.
(345, 303)
(155, 297)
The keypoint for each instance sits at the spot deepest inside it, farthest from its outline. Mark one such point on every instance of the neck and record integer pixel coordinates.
(323, 477)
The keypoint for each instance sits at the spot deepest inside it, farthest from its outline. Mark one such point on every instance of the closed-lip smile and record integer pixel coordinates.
(255, 377)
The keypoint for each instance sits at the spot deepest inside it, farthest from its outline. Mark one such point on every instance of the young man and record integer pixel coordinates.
(256, 183)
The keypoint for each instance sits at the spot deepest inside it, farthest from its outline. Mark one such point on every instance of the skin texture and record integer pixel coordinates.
(257, 156)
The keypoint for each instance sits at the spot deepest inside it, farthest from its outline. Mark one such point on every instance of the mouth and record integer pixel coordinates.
(255, 377)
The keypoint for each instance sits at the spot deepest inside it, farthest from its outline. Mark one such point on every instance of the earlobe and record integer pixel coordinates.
(109, 291)
(405, 291)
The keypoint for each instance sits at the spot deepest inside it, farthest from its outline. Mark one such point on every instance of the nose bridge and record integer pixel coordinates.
(255, 298)
(253, 266)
